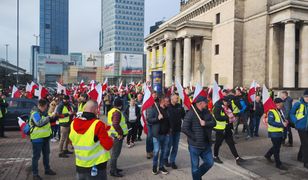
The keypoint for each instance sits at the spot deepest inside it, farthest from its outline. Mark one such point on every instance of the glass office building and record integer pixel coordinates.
(122, 26)
(54, 26)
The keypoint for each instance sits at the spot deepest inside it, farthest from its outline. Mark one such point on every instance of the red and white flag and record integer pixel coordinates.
(217, 94)
(105, 85)
(42, 92)
(199, 92)
(61, 88)
(96, 94)
(92, 85)
(22, 125)
(28, 87)
(252, 92)
(183, 95)
(15, 92)
(268, 102)
(147, 102)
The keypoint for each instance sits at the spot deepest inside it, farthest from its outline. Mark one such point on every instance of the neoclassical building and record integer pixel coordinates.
(233, 42)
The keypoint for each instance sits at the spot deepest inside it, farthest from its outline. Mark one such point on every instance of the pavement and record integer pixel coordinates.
(15, 161)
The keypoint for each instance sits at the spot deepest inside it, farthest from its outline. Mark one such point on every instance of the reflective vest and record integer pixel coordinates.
(81, 107)
(123, 124)
(1, 116)
(235, 109)
(39, 132)
(278, 120)
(65, 119)
(87, 152)
(220, 125)
(300, 113)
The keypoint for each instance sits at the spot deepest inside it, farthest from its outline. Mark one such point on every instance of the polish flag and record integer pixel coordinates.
(217, 94)
(92, 85)
(268, 103)
(28, 87)
(148, 102)
(82, 86)
(96, 94)
(42, 92)
(15, 92)
(105, 85)
(199, 92)
(183, 95)
(33, 87)
(22, 124)
(121, 86)
(61, 88)
(252, 92)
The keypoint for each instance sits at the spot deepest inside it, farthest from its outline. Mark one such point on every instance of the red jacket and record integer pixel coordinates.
(81, 126)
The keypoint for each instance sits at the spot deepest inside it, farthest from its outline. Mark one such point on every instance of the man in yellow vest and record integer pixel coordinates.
(3, 110)
(223, 130)
(91, 143)
(40, 135)
(118, 131)
(299, 117)
(276, 124)
(82, 102)
(65, 113)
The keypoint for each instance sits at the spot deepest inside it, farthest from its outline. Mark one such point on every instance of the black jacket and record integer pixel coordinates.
(159, 127)
(176, 114)
(217, 112)
(198, 136)
(3, 106)
(137, 111)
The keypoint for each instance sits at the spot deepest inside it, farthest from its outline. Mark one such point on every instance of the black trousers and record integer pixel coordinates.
(1, 127)
(132, 133)
(139, 129)
(303, 152)
(288, 134)
(275, 150)
(228, 137)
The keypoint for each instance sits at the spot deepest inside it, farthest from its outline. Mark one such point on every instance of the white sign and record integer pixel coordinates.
(132, 64)
(109, 62)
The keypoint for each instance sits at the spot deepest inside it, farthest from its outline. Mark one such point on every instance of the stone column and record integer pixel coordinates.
(207, 61)
(289, 55)
(161, 55)
(169, 64)
(178, 63)
(153, 57)
(187, 61)
(303, 57)
(148, 66)
(273, 65)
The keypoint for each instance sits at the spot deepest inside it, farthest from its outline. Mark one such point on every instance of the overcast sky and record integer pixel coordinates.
(84, 24)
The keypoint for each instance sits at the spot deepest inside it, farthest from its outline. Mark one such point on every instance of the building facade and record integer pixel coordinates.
(122, 35)
(54, 26)
(233, 42)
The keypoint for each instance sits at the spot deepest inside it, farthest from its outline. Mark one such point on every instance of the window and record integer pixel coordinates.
(216, 49)
(218, 18)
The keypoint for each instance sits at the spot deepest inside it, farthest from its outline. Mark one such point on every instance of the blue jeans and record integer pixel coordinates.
(160, 144)
(37, 148)
(174, 140)
(207, 157)
(254, 125)
(149, 140)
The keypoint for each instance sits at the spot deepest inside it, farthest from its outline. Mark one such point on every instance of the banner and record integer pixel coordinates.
(131, 64)
(109, 62)
(157, 81)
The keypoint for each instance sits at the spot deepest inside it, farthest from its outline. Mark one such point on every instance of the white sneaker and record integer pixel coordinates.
(53, 140)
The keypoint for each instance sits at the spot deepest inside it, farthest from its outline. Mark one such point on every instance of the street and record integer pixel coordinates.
(15, 161)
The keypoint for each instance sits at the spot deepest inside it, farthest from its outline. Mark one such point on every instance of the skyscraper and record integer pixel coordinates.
(121, 39)
(54, 27)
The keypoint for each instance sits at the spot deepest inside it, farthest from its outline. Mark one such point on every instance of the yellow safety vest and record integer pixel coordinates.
(235, 108)
(39, 132)
(81, 107)
(220, 125)
(123, 124)
(1, 116)
(87, 152)
(300, 113)
(278, 120)
(65, 119)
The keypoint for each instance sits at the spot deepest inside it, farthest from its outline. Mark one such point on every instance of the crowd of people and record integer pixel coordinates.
(76, 121)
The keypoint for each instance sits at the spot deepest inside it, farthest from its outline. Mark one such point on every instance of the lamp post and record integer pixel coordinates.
(17, 78)
(6, 52)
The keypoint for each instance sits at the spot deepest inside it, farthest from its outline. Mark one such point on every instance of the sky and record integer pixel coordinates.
(84, 25)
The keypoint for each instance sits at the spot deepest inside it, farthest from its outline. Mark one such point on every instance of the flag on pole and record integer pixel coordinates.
(147, 102)
(252, 92)
(199, 92)
(22, 125)
(105, 85)
(268, 102)
(15, 92)
(60, 89)
(42, 92)
(183, 95)
(216, 95)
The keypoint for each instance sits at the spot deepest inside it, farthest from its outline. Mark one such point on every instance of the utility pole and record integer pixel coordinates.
(6, 52)
(17, 78)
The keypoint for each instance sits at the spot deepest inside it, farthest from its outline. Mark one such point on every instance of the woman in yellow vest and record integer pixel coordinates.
(276, 124)
(299, 117)
(118, 131)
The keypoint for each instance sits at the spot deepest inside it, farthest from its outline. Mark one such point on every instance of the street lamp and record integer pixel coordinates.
(17, 78)
(6, 52)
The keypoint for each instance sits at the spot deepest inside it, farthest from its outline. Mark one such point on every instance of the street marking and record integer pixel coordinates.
(15, 159)
(244, 173)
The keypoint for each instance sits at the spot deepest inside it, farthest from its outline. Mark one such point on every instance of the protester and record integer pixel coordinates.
(118, 131)
(133, 115)
(107, 103)
(3, 111)
(197, 126)
(65, 113)
(287, 106)
(276, 123)
(159, 119)
(88, 131)
(139, 124)
(176, 113)
(299, 117)
(243, 112)
(256, 114)
(40, 135)
(82, 102)
(223, 130)
(53, 120)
